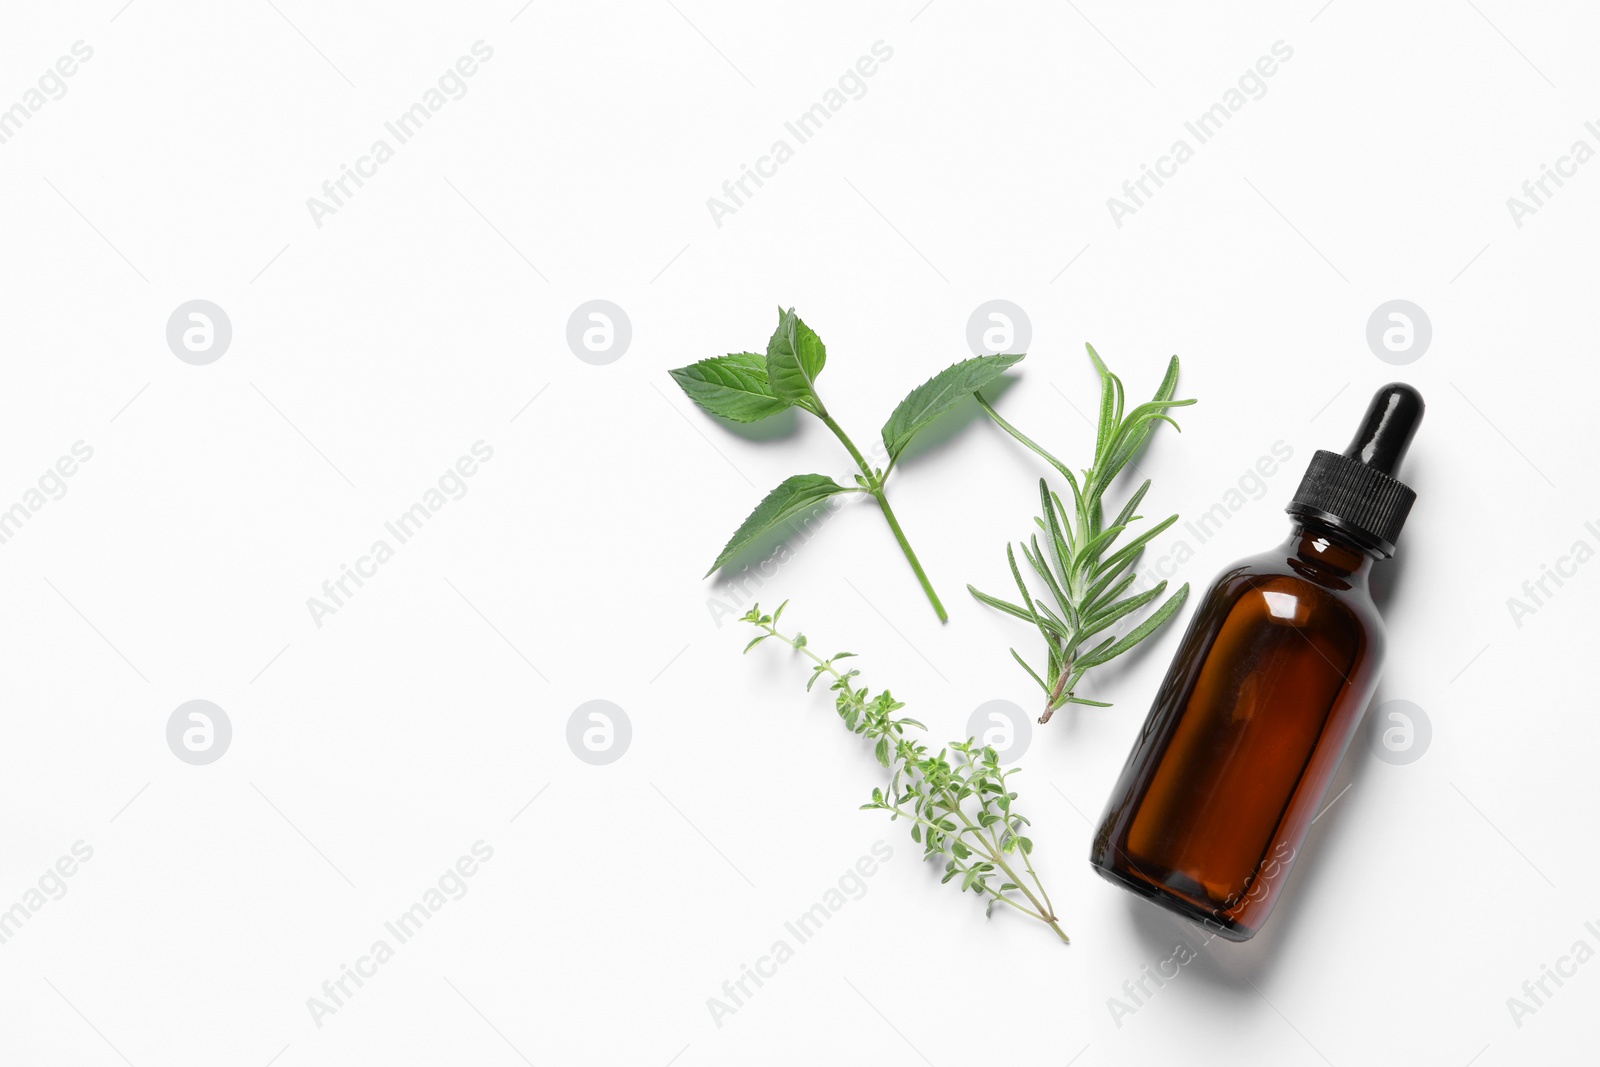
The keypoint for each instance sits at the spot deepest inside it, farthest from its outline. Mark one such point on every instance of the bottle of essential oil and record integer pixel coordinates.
(1264, 694)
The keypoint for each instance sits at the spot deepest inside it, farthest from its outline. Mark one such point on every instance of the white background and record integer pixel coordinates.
(368, 354)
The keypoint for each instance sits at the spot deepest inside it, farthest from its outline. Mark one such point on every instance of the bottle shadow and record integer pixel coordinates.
(1385, 581)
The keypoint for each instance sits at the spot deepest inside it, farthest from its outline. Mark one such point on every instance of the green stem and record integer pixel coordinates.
(911, 557)
(875, 487)
(1045, 913)
(1036, 881)
(1020, 436)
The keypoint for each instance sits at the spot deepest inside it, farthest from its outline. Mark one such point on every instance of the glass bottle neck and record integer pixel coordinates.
(1326, 549)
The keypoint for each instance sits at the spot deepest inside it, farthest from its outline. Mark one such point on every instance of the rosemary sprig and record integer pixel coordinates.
(1081, 573)
(957, 800)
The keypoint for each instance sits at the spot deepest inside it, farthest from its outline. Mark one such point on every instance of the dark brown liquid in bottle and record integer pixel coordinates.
(1246, 733)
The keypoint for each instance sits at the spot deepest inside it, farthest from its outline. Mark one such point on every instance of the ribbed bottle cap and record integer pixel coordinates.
(1356, 492)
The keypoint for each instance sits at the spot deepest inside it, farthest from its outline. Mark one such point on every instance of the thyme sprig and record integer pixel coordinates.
(958, 801)
(1081, 573)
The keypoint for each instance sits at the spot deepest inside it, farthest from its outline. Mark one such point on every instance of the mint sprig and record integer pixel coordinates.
(749, 387)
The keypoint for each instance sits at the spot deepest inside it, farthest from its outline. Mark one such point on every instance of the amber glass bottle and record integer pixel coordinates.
(1263, 696)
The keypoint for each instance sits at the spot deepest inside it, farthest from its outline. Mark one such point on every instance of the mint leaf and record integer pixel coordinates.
(794, 495)
(813, 353)
(795, 356)
(938, 395)
(734, 386)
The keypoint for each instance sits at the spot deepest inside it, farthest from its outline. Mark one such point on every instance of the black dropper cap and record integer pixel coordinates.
(1356, 493)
